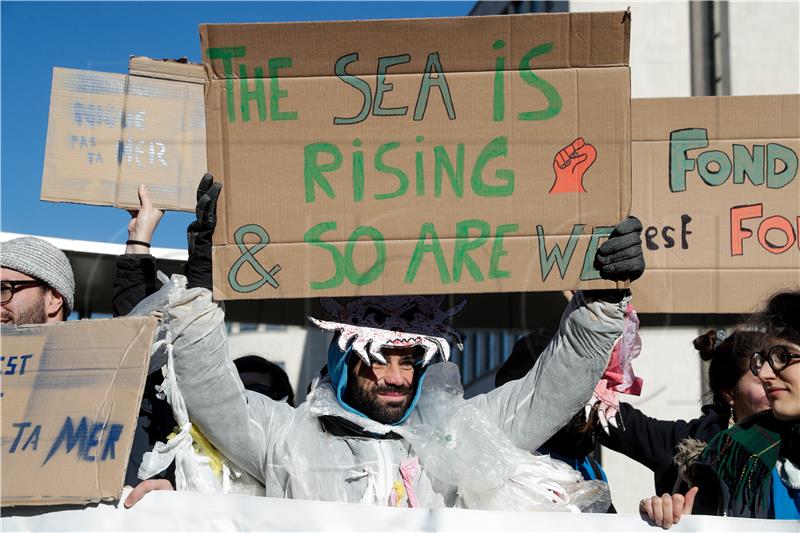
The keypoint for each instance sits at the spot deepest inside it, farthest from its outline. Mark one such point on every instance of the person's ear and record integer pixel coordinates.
(53, 305)
(729, 396)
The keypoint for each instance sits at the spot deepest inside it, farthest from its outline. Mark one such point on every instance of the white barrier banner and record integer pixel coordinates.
(186, 511)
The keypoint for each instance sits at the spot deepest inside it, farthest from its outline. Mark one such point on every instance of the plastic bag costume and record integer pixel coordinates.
(447, 451)
(199, 467)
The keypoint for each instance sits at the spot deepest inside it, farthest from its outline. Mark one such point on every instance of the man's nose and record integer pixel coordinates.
(393, 376)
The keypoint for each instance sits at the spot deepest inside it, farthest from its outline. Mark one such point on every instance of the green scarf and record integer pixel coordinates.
(743, 457)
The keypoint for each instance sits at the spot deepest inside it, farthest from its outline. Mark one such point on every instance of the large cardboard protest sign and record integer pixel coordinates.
(715, 184)
(108, 133)
(70, 397)
(476, 154)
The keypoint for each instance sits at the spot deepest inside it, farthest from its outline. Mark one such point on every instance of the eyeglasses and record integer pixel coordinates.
(778, 358)
(9, 288)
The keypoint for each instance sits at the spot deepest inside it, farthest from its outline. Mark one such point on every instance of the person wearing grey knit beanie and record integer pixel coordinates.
(37, 282)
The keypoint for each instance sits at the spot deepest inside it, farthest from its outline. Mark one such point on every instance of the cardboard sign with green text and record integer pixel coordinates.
(70, 397)
(475, 154)
(715, 185)
(108, 133)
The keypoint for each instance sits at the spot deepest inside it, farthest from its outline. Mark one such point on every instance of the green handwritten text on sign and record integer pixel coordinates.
(391, 157)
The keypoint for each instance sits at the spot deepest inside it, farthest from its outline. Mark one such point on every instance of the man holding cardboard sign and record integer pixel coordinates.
(457, 121)
(358, 208)
(387, 427)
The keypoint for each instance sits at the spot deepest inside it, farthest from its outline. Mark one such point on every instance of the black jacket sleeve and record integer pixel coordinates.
(652, 442)
(134, 280)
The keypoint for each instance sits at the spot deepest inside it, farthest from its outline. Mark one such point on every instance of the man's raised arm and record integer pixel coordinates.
(530, 410)
(241, 424)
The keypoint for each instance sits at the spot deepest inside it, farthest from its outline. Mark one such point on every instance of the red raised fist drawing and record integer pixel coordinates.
(571, 164)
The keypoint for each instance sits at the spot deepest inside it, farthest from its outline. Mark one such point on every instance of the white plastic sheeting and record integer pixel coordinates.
(187, 511)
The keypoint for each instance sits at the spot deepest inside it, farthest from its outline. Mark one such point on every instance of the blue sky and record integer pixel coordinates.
(37, 36)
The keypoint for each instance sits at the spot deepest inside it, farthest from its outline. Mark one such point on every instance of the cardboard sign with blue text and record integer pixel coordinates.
(108, 133)
(475, 154)
(70, 396)
(716, 186)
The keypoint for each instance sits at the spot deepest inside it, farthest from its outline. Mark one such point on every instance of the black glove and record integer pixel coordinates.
(200, 232)
(620, 258)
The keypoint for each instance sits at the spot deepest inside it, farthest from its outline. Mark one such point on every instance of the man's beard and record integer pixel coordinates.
(365, 400)
(35, 314)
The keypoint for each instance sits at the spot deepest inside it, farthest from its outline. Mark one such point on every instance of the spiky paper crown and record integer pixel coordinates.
(371, 323)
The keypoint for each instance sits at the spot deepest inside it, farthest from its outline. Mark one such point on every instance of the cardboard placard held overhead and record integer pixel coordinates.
(475, 154)
(715, 184)
(108, 133)
(70, 397)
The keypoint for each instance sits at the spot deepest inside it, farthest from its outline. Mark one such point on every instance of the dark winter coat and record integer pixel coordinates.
(135, 279)
(653, 442)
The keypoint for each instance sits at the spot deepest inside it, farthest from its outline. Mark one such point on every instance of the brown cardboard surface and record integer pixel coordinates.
(108, 133)
(70, 397)
(441, 183)
(716, 261)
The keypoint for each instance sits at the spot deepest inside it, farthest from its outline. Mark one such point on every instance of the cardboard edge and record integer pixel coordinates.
(626, 192)
(623, 34)
(641, 131)
(180, 70)
(148, 328)
(215, 155)
(626, 20)
(50, 111)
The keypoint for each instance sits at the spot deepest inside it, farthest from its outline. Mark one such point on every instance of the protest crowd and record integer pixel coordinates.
(385, 421)
(368, 430)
